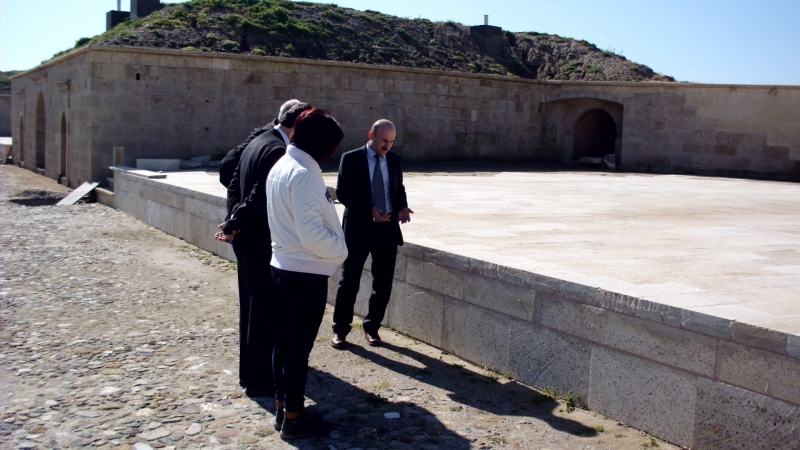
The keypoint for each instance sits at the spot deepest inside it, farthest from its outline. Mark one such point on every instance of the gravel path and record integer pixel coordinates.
(116, 335)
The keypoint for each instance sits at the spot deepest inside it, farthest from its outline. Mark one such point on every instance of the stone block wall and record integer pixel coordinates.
(750, 131)
(162, 104)
(644, 364)
(189, 215)
(692, 379)
(67, 95)
(174, 104)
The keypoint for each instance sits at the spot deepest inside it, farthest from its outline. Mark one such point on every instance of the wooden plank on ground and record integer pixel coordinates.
(78, 193)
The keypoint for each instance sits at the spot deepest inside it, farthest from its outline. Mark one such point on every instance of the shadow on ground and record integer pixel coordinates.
(358, 417)
(478, 391)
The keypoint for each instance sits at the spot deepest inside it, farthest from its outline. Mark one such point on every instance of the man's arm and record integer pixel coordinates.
(232, 201)
(348, 189)
(344, 189)
(256, 200)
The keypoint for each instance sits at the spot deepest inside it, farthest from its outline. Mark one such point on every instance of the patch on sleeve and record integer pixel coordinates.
(328, 196)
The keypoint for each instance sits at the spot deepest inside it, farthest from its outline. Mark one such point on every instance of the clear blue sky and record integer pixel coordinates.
(708, 41)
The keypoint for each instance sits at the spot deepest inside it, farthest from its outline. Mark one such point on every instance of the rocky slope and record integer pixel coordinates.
(328, 32)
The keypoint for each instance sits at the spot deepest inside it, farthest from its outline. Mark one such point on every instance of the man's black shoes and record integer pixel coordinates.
(304, 427)
(339, 342)
(373, 339)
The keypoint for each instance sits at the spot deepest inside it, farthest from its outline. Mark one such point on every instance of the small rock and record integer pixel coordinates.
(158, 433)
(247, 440)
(50, 403)
(110, 405)
(264, 432)
(109, 390)
(141, 446)
(88, 414)
(392, 415)
(38, 430)
(153, 425)
(227, 433)
(141, 382)
(189, 410)
(193, 429)
(145, 412)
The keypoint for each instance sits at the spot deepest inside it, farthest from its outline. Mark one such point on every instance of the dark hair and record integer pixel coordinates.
(290, 117)
(317, 133)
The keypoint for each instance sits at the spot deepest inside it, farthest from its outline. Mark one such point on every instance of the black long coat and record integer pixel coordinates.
(247, 195)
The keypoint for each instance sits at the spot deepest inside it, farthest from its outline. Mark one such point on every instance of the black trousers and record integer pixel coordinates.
(301, 305)
(244, 314)
(257, 316)
(379, 242)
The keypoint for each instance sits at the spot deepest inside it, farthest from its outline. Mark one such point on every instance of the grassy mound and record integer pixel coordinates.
(328, 32)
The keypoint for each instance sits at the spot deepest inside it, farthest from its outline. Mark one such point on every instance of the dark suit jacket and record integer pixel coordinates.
(247, 196)
(231, 161)
(354, 190)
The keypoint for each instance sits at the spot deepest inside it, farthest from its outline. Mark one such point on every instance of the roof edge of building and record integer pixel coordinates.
(230, 56)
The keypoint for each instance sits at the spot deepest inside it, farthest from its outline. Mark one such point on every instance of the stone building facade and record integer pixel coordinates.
(69, 113)
(5, 115)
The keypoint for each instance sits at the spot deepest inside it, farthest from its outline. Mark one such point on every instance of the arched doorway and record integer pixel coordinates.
(41, 133)
(63, 160)
(595, 135)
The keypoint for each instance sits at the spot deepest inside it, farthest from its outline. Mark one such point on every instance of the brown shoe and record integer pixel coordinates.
(373, 338)
(338, 342)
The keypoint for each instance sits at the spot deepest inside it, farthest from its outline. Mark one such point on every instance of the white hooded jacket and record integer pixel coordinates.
(306, 234)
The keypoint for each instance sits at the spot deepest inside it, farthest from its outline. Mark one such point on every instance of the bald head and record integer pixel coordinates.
(381, 136)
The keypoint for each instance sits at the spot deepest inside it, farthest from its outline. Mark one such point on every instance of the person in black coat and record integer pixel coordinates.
(247, 228)
(231, 161)
(370, 186)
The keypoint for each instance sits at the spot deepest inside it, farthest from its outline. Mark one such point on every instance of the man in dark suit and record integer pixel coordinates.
(247, 228)
(370, 186)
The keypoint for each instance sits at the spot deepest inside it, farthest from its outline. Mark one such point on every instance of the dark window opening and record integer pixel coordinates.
(595, 135)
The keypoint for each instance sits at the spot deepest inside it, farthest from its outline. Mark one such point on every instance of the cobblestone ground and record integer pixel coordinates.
(116, 335)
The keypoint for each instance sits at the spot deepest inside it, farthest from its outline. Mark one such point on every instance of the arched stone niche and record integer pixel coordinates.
(578, 126)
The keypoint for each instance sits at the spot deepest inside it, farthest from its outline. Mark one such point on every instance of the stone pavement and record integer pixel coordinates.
(116, 335)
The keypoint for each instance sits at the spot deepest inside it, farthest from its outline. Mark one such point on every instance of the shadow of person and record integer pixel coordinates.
(475, 390)
(358, 417)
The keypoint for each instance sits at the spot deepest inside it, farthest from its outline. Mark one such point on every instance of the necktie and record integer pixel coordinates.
(378, 192)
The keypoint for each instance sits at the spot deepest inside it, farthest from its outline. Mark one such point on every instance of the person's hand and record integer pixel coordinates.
(220, 236)
(378, 217)
(404, 215)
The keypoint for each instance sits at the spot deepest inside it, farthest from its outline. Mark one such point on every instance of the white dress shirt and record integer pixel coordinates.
(283, 135)
(385, 171)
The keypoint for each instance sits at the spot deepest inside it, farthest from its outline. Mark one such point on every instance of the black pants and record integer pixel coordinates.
(379, 242)
(301, 305)
(244, 314)
(257, 316)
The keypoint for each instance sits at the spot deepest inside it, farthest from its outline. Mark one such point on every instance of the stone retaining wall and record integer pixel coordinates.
(692, 379)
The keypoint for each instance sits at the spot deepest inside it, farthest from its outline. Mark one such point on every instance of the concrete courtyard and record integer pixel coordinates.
(724, 247)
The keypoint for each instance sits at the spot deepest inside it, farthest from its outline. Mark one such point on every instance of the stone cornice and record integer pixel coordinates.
(230, 56)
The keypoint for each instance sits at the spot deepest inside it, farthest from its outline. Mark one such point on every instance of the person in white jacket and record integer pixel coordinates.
(307, 247)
